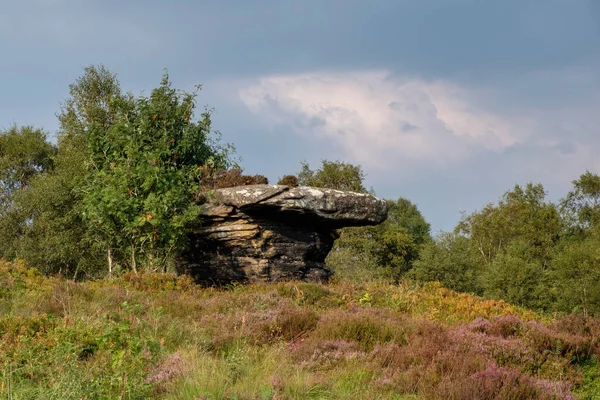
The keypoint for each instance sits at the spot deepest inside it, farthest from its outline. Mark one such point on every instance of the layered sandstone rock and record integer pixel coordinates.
(273, 232)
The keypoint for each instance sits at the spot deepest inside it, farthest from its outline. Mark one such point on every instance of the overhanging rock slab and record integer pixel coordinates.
(273, 232)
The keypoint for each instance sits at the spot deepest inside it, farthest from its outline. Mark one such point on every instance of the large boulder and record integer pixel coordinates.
(272, 232)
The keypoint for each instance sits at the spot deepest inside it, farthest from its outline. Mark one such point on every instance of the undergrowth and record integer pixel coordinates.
(161, 336)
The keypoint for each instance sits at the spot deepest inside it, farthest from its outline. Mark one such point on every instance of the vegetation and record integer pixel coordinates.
(161, 336)
(333, 175)
(386, 251)
(214, 178)
(118, 189)
(289, 180)
(505, 306)
(524, 250)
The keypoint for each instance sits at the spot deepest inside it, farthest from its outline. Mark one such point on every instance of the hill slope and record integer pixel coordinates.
(160, 336)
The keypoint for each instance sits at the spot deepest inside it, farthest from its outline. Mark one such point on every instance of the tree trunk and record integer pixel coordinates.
(150, 262)
(110, 262)
(133, 262)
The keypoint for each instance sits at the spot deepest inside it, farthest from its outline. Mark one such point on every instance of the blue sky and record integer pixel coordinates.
(448, 103)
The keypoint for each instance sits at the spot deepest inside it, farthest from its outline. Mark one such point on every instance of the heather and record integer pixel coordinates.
(162, 336)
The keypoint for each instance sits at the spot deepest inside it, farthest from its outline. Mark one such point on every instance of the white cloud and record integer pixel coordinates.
(380, 120)
(391, 123)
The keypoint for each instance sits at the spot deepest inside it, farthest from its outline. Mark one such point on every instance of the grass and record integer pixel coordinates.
(160, 336)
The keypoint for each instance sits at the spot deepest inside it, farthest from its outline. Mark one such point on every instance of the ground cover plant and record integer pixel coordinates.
(161, 336)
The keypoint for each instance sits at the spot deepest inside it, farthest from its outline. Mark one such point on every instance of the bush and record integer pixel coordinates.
(289, 180)
(221, 178)
(290, 324)
(365, 327)
(305, 293)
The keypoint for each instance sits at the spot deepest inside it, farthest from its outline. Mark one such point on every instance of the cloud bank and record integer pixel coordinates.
(387, 122)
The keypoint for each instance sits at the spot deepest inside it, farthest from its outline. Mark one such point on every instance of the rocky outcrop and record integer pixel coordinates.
(272, 232)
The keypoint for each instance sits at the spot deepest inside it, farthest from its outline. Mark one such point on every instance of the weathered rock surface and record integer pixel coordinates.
(273, 232)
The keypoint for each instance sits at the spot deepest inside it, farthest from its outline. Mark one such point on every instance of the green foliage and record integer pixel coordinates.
(118, 186)
(388, 250)
(95, 103)
(504, 251)
(143, 171)
(333, 175)
(521, 214)
(581, 206)
(590, 389)
(515, 275)
(54, 236)
(351, 265)
(524, 251)
(576, 273)
(448, 259)
(405, 214)
(385, 251)
(24, 154)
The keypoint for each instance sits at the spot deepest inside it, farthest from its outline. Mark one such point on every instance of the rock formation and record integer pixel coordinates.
(272, 232)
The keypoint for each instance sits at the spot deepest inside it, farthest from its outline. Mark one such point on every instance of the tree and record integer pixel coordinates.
(521, 214)
(55, 236)
(405, 214)
(448, 259)
(393, 245)
(581, 207)
(387, 250)
(121, 181)
(503, 251)
(143, 171)
(24, 154)
(333, 175)
(576, 273)
(517, 275)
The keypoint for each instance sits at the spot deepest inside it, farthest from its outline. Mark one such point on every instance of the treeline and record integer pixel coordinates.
(127, 173)
(522, 249)
(525, 250)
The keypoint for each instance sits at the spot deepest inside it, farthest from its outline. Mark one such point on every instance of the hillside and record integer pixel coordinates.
(160, 336)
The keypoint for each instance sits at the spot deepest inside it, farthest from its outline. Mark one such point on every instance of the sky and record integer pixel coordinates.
(449, 103)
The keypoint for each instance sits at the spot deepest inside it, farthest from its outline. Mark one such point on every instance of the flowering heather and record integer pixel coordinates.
(169, 369)
(157, 336)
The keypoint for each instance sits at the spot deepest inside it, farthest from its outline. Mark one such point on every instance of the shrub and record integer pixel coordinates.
(290, 324)
(500, 383)
(154, 281)
(365, 327)
(327, 353)
(289, 180)
(305, 293)
(575, 348)
(221, 178)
